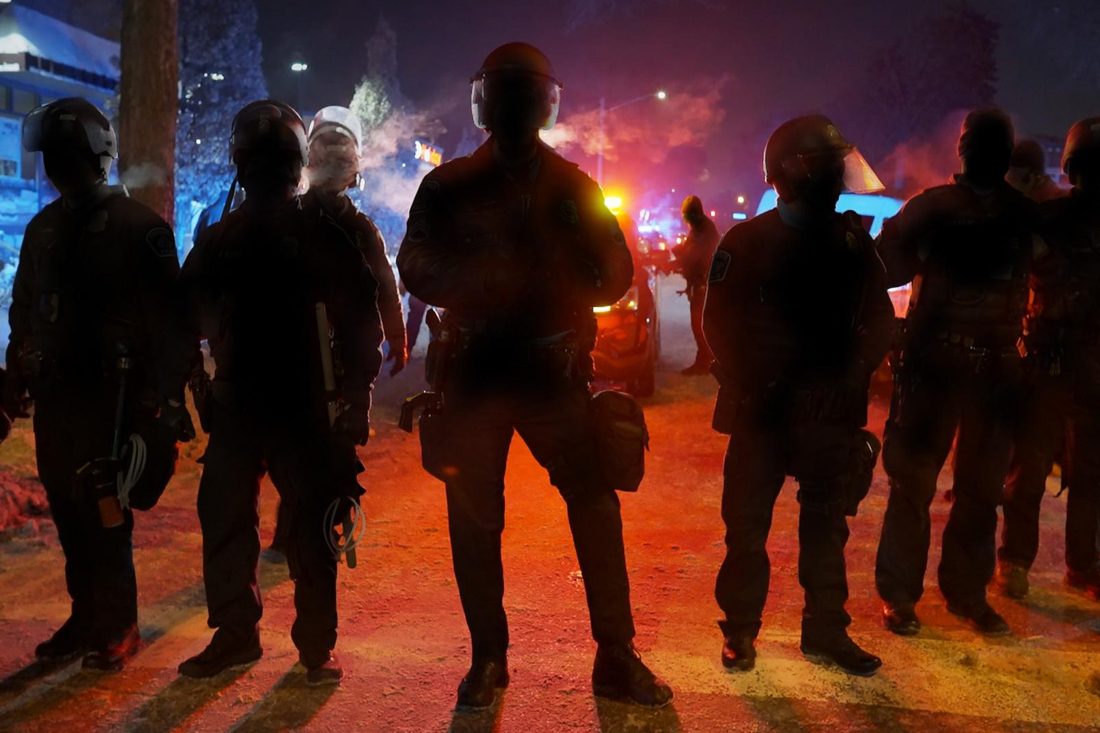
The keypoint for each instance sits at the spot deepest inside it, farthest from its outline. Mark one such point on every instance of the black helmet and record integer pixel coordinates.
(1029, 155)
(521, 74)
(1082, 143)
(73, 124)
(269, 124)
(988, 129)
(798, 148)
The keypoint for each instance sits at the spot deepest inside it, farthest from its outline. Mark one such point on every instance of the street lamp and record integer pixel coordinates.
(299, 67)
(660, 95)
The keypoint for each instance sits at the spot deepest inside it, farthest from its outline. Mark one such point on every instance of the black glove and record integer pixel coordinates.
(173, 414)
(354, 423)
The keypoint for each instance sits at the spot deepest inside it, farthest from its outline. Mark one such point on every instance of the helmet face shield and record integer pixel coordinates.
(337, 118)
(846, 165)
(58, 123)
(333, 159)
(859, 177)
(520, 99)
(32, 129)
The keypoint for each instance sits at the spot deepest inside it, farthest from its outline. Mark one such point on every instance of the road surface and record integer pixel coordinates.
(403, 641)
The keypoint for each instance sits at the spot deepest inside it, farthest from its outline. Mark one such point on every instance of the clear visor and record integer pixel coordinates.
(859, 176)
(341, 119)
(32, 130)
(542, 93)
(100, 141)
(844, 164)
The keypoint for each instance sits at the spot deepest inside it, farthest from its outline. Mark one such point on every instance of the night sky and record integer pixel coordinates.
(734, 69)
(758, 62)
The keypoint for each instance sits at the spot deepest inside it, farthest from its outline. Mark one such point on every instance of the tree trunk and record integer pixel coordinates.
(149, 102)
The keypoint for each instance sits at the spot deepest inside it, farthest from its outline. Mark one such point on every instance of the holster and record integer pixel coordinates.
(437, 444)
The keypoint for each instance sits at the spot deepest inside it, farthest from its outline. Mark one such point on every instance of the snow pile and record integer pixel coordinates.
(22, 501)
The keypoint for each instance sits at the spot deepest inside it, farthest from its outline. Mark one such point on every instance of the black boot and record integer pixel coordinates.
(479, 687)
(739, 652)
(901, 620)
(113, 655)
(1087, 582)
(1011, 579)
(68, 642)
(328, 672)
(620, 674)
(225, 650)
(698, 368)
(983, 618)
(843, 652)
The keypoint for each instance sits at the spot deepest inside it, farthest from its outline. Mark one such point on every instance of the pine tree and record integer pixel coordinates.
(220, 72)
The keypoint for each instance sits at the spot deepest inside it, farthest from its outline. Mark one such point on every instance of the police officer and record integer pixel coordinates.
(693, 259)
(1027, 173)
(798, 317)
(335, 137)
(517, 245)
(967, 248)
(269, 283)
(95, 311)
(1063, 352)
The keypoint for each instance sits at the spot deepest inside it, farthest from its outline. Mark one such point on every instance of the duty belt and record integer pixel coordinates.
(978, 356)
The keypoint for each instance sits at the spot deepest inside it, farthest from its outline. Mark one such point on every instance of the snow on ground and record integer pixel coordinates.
(404, 645)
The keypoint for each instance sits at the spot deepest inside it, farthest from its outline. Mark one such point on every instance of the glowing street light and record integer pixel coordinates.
(662, 94)
(299, 67)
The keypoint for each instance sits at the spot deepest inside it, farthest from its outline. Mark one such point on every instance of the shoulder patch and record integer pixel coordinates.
(719, 266)
(161, 241)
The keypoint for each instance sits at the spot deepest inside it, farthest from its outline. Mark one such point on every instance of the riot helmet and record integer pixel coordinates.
(1081, 154)
(335, 136)
(808, 158)
(71, 133)
(268, 144)
(515, 90)
(986, 142)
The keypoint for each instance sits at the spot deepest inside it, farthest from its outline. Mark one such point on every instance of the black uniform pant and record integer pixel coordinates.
(758, 461)
(300, 462)
(554, 426)
(99, 564)
(929, 406)
(1039, 438)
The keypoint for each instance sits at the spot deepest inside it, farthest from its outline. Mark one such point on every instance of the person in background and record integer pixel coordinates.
(693, 258)
(1063, 402)
(1027, 173)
